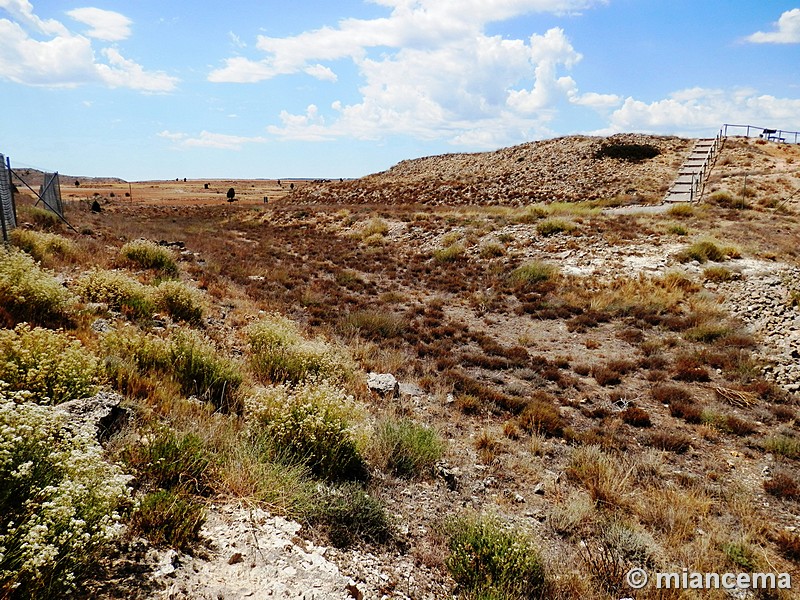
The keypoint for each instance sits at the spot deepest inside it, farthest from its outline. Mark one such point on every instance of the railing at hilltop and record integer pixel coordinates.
(771, 135)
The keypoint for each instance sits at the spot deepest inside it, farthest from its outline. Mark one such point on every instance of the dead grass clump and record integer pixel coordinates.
(783, 485)
(691, 413)
(147, 254)
(671, 441)
(690, 368)
(636, 417)
(612, 372)
(553, 226)
(601, 474)
(451, 253)
(681, 210)
(541, 416)
(788, 544)
(707, 250)
(373, 324)
(718, 274)
(489, 398)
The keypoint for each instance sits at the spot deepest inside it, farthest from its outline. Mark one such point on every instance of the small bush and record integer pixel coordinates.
(349, 515)
(671, 441)
(192, 361)
(52, 366)
(279, 353)
(118, 290)
(170, 462)
(407, 449)
(783, 445)
(687, 411)
(41, 217)
(180, 301)
(532, 273)
(676, 229)
(717, 274)
(540, 416)
(201, 371)
(783, 485)
(312, 424)
(636, 417)
(374, 228)
(450, 253)
(681, 210)
(374, 324)
(707, 250)
(30, 293)
(43, 246)
(600, 472)
(488, 560)
(58, 501)
(788, 544)
(553, 226)
(147, 254)
(492, 250)
(168, 518)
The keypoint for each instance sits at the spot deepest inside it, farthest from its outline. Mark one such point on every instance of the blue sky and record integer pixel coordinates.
(246, 89)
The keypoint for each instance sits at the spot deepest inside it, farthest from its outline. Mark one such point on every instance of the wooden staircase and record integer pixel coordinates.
(689, 185)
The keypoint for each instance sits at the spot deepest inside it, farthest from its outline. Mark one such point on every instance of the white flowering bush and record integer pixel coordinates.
(180, 301)
(314, 423)
(51, 365)
(280, 353)
(30, 293)
(43, 245)
(58, 500)
(149, 255)
(117, 289)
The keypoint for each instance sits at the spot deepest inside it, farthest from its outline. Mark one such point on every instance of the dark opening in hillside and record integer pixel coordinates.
(629, 152)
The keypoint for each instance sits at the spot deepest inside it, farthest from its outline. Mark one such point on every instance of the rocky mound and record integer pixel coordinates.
(629, 166)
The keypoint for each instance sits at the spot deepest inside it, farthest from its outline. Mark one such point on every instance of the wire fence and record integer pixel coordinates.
(8, 210)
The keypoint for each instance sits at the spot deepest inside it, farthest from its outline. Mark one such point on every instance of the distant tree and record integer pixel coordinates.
(77, 183)
(205, 186)
(231, 194)
(291, 186)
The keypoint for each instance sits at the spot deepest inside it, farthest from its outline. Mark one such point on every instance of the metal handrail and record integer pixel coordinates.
(772, 135)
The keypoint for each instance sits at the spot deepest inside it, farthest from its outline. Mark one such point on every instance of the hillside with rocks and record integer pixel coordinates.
(332, 399)
(567, 169)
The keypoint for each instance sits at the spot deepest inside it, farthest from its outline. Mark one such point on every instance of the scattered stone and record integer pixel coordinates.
(101, 326)
(102, 412)
(411, 389)
(384, 384)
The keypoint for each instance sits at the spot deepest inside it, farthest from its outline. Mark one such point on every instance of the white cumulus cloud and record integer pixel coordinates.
(787, 30)
(429, 69)
(207, 139)
(105, 25)
(43, 52)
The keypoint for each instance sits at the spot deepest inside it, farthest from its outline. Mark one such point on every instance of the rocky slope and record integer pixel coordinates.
(564, 169)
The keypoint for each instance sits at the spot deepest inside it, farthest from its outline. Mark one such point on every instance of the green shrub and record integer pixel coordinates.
(41, 217)
(407, 449)
(171, 462)
(201, 371)
(450, 253)
(168, 518)
(707, 250)
(51, 365)
(784, 445)
(677, 229)
(532, 273)
(118, 290)
(180, 301)
(553, 226)
(627, 152)
(279, 353)
(312, 424)
(30, 293)
(58, 501)
(147, 254)
(348, 514)
(42, 246)
(492, 250)
(488, 560)
(189, 359)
